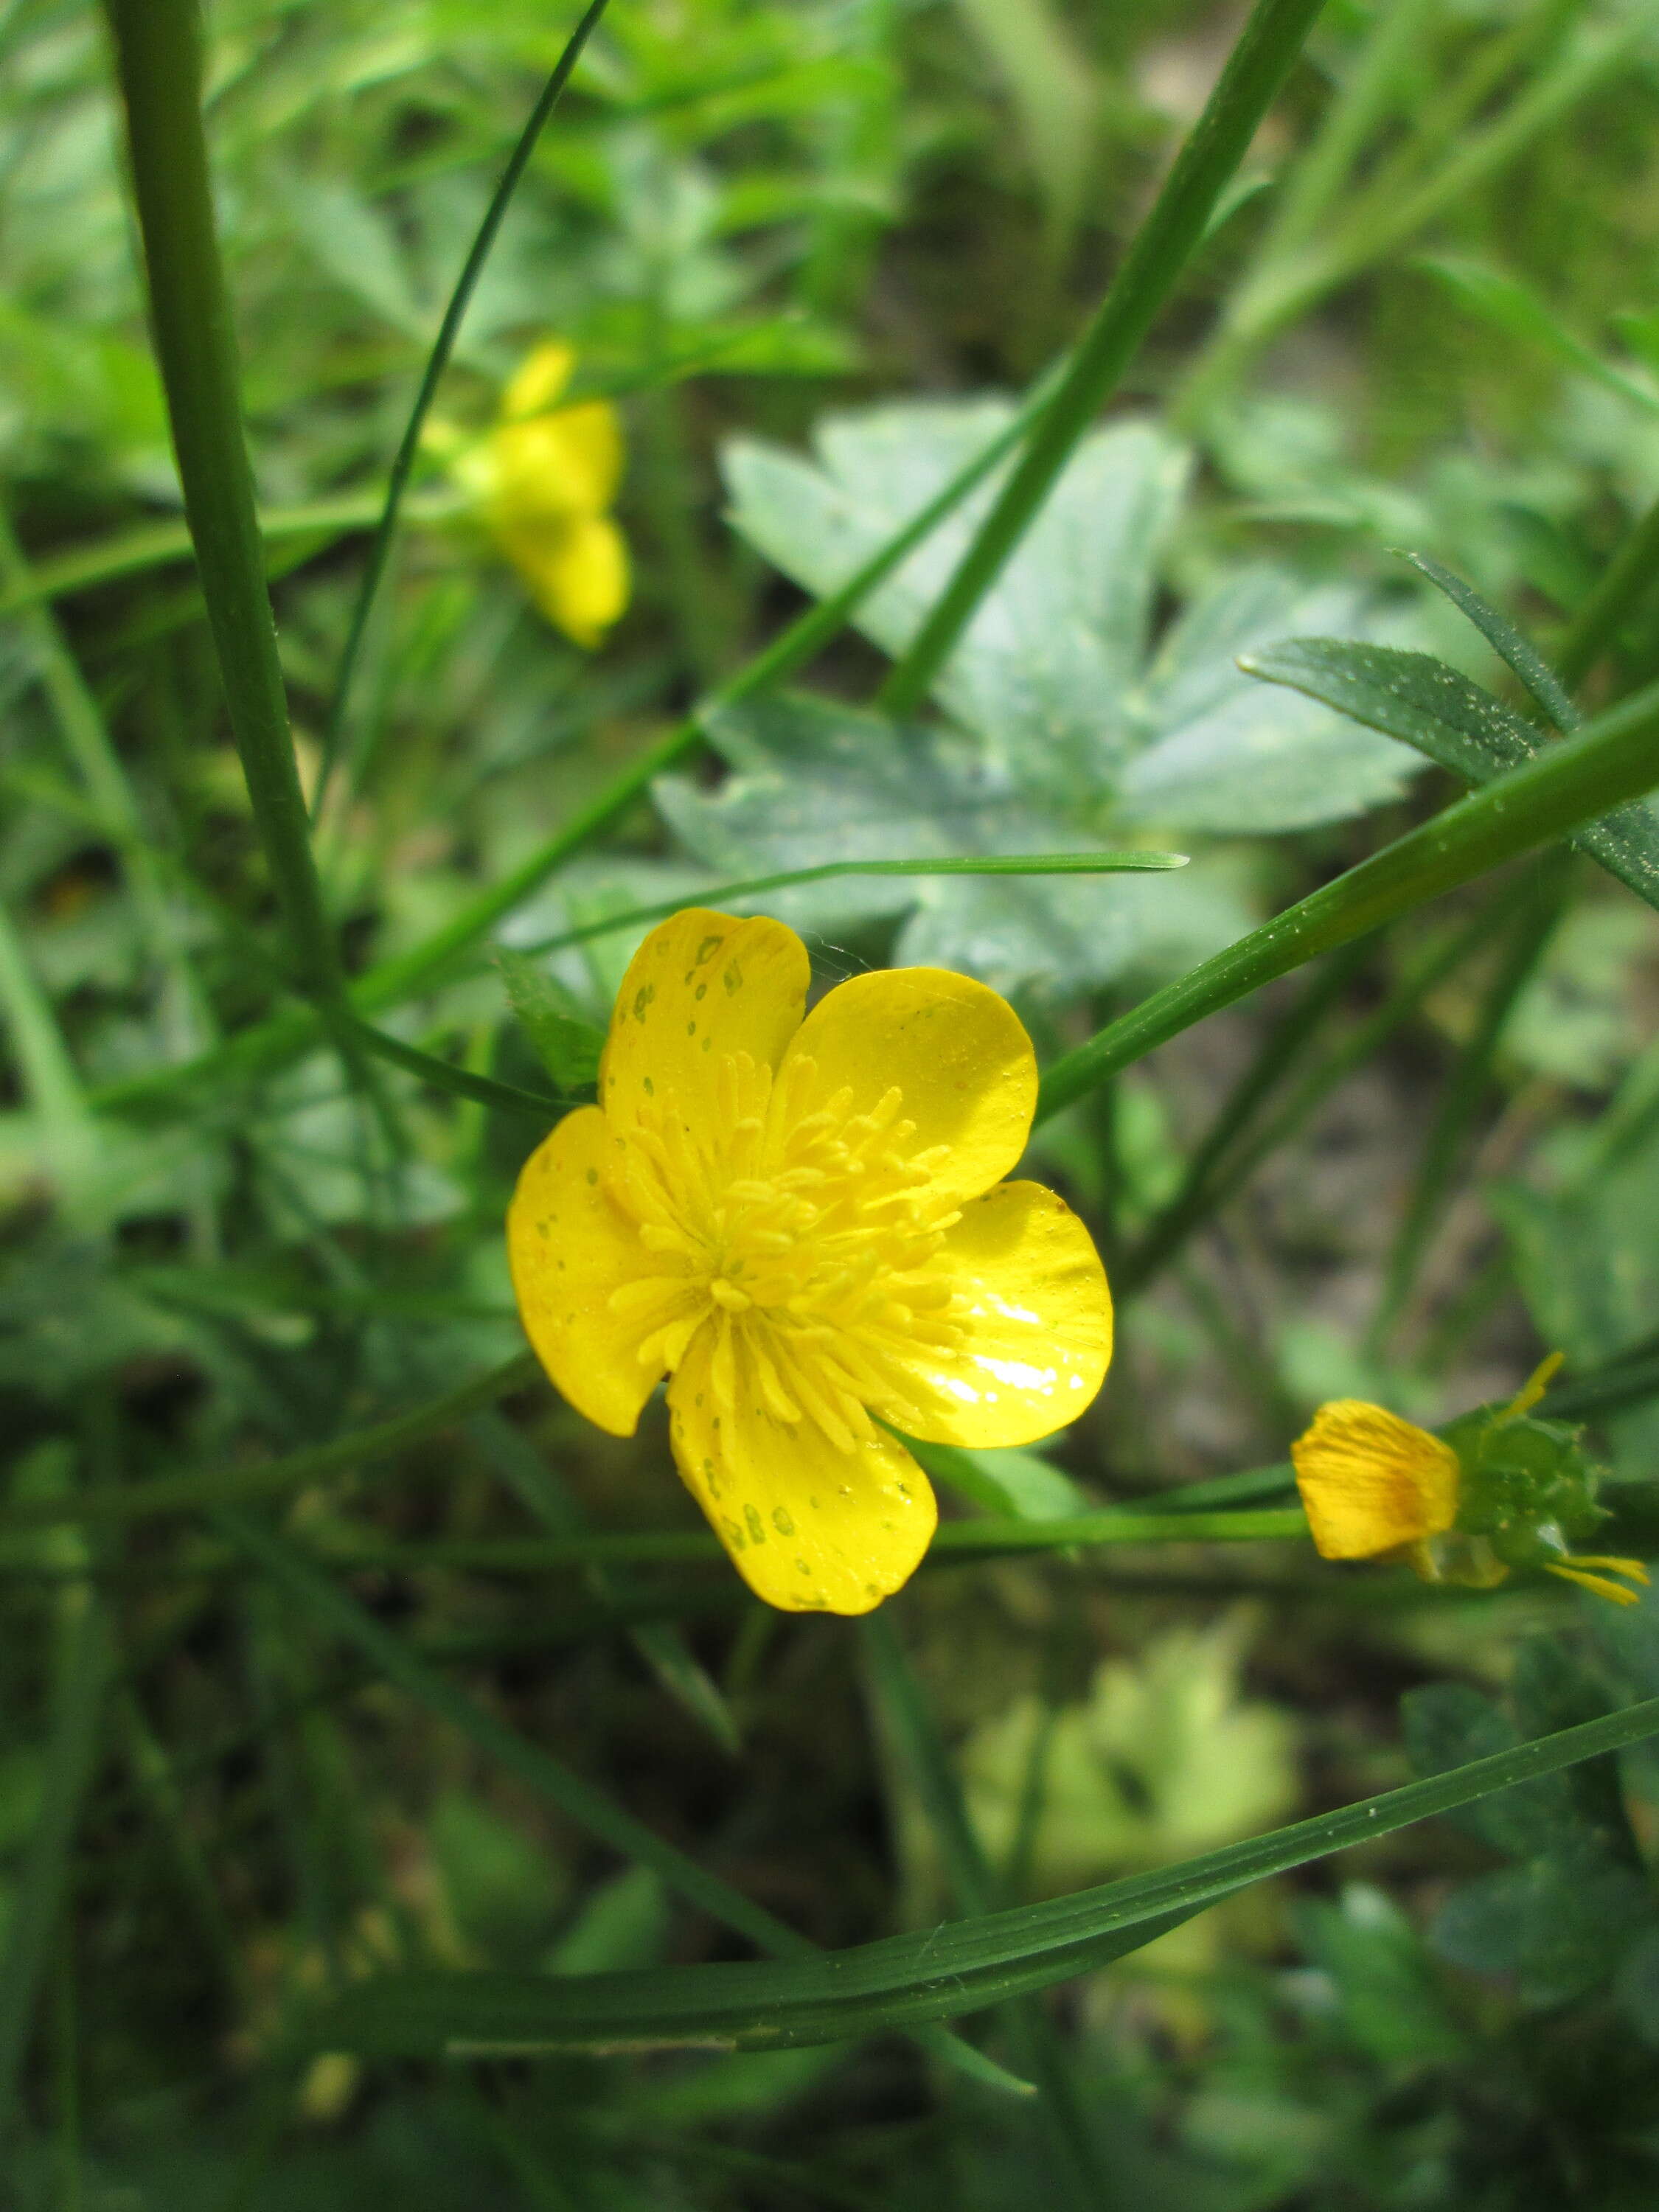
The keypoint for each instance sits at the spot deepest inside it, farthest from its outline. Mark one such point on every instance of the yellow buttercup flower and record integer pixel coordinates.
(547, 476)
(1498, 1490)
(803, 1223)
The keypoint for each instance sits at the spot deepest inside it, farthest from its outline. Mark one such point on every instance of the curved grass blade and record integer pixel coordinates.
(957, 1968)
(1576, 781)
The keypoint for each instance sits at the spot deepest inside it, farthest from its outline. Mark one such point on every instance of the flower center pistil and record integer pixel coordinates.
(810, 1241)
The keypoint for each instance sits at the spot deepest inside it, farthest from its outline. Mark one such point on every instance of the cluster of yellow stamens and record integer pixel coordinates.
(808, 1239)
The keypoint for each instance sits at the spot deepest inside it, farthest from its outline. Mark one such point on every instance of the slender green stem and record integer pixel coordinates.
(970, 863)
(1631, 572)
(158, 49)
(1255, 71)
(988, 1537)
(437, 362)
(1613, 758)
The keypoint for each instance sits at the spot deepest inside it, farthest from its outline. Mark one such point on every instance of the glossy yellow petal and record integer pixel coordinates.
(577, 1259)
(564, 465)
(956, 1052)
(539, 378)
(810, 1528)
(577, 572)
(1370, 1481)
(1034, 1322)
(702, 989)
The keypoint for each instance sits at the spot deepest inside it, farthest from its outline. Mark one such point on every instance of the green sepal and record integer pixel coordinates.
(1527, 1488)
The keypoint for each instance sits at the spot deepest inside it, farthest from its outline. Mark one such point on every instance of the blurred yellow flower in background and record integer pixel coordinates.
(546, 476)
(800, 1218)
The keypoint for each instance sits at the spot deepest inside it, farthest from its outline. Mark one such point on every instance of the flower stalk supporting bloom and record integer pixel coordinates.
(546, 477)
(801, 1220)
(1498, 1489)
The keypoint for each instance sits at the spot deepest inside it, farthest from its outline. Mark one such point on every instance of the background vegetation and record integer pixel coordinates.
(346, 1671)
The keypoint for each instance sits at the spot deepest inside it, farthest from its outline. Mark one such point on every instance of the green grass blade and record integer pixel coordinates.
(312, 1590)
(1196, 1203)
(1613, 759)
(999, 864)
(954, 1968)
(443, 346)
(542, 1106)
(1249, 83)
(659, 1643)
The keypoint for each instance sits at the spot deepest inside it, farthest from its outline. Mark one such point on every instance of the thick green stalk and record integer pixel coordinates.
(1613, 759)
(437, 362)
(158, 50)
(1255, 71)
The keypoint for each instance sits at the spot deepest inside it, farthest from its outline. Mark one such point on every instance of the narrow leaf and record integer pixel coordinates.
(1530, 666)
